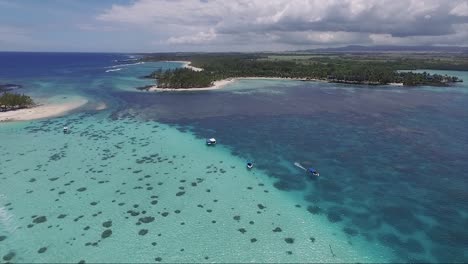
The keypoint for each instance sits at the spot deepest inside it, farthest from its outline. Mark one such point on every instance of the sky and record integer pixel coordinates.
(227, 25)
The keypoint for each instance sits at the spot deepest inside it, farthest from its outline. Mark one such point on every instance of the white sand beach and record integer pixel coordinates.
(186, 64)
(42, 111)
(221, 83)
(216, 85)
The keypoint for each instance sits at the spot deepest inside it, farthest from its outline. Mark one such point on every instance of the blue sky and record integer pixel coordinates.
(235, 25)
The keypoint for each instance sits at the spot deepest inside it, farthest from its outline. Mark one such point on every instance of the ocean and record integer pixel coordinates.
(136, 182)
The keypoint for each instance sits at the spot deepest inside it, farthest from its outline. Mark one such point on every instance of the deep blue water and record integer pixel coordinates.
(393, 161)
(27, 64)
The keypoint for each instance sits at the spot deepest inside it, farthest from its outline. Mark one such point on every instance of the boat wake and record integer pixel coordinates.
(113, 70)
(297, 164)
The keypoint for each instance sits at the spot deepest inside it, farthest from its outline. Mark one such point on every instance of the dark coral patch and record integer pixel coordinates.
(180, 193)
(253, 240)
(107, 224)
(158, 259)
(242, 230)
(143, 232)
(9, 256)
(261, 206)
(146, 219)
(2, 238)
(40, 219)
(82, 189)
(314, 209)
(237, 217)
(42, 250)
(289, 240)
(107, 233)
(278, 229)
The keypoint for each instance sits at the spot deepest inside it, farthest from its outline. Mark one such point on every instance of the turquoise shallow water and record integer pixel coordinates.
(136, 183)
(201, 204)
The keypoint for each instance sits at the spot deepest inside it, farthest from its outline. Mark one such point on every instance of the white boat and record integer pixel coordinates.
(65, 129)
(249, 165)
(211, 141)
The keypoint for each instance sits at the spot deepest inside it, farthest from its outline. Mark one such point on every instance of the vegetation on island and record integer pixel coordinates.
(13, 101)
(368, 69)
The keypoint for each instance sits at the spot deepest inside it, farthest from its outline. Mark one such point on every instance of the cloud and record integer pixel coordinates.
(199, 38)
(98, 28)
(461, 9)
(296, 22)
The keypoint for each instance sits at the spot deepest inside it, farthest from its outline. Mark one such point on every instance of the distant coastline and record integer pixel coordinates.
(212, 71)
(218, 84)
(187, 65)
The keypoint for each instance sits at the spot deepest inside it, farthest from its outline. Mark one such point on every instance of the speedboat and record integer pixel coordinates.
(211, 141)
(249, 165)
(65, 130)
(313, 171)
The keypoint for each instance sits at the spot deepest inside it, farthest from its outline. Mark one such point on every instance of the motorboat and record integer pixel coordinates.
(313, 172)
(249, 165)
(211, 141)
(65, 130)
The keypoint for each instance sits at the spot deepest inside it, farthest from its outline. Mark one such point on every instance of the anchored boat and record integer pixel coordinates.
(211, 141)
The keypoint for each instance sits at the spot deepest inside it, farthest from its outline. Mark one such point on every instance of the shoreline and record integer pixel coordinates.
(186, 64)
(41, 111)
(216, 85)
(221, 83)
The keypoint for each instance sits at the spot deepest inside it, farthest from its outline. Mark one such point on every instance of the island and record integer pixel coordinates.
(215, 70)
(20, 107)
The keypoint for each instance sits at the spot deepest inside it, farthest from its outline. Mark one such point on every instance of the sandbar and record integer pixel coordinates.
(42, 111)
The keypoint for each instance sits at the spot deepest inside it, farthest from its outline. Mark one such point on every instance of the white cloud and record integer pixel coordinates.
(295, 22)
(199, 38)
(461, 9)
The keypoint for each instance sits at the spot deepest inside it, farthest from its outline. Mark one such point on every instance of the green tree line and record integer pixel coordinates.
(12, 100)
(217, 67)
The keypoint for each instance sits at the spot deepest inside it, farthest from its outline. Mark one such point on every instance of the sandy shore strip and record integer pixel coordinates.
(186, 64)
(216, 85)
(221, 83)
(42, 111)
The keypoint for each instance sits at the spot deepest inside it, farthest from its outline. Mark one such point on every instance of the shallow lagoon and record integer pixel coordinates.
(135, 183)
